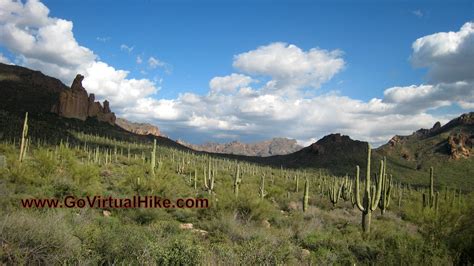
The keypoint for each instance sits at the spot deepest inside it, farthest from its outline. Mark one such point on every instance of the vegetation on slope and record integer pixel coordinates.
(248, 228)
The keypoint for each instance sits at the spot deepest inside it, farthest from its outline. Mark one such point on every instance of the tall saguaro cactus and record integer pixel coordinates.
(297, 183)
(237, 181)
(386, 188)
(209, 183)
(262, 191)
(306, 195)
(153, 158)
(431, 201)
(371, 195)
(24, 139)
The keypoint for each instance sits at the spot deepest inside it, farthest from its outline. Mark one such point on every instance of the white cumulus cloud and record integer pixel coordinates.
(229, 83)
(47, 44)
(449, 56)
(289, 66)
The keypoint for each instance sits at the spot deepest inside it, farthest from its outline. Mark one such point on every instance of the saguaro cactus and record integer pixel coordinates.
(306, 195)
(24, 139)
(386, 188)
(431, 198)
(262, 191)
(153, 158)
(237, 181)
(430, 201)
(209, 183)
(297, 183)
(335, 190)
(347, 189)
(400, 195)
(195, 179)
(371, 195)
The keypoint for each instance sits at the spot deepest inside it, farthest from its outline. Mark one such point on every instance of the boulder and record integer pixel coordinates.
(266, 224)
(186, 226)
(200, 231)
(305, 253)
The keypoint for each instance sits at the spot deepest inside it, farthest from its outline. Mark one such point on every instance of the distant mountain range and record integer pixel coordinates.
(275, 146)
(56, 109)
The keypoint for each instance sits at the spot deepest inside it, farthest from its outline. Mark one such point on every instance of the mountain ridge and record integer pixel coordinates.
(448, 147)
(138, 128)
(274, 146)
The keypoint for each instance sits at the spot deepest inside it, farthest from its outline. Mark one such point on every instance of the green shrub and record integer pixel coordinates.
(36, 238)
(179, 251)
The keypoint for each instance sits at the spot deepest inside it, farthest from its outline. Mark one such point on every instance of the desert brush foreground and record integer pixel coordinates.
(257, 215)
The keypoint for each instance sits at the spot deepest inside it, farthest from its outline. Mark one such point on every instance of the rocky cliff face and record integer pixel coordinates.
(76, 103)
(460, 145)
(454, 139)
(275, 146)
(25, 90)
(138, 128)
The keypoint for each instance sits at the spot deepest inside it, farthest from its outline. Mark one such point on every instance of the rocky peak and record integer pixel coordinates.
(335, 142)
(106, 107)
(422, 132)
(337, 138)
(463, 120)
(77, 83)
(76, 103)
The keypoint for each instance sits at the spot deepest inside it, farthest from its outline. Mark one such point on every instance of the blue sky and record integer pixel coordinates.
(196, 41)
(200, 38)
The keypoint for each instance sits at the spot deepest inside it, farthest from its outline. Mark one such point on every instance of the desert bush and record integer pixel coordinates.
(109, 241)
(179, 250)
(38, 238)
(44, 163)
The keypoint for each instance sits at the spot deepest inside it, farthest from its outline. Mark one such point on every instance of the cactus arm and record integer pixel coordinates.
(389, 191)
(356, 191)
(378, 191)
(367, 175)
